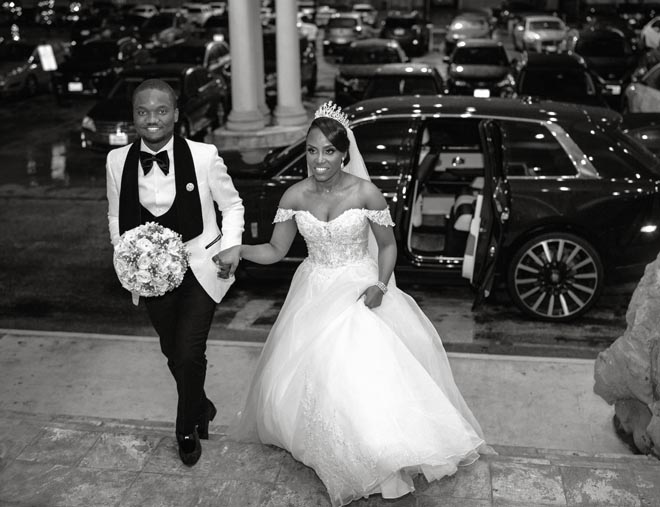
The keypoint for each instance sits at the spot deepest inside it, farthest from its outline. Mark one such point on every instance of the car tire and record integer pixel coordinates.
(555, 277)
(31, 86)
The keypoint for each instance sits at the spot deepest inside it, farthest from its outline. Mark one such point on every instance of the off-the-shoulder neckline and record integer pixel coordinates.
(333, 219)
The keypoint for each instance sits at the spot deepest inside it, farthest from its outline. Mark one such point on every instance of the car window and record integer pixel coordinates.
(613, 153)
(532, 150)
(372, 55)
(480, 56)
(383, 145)
(341, 23)
(401, 22)
(603, 47)
(545, 25)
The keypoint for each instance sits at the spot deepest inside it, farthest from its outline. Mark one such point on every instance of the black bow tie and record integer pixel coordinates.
(147, 161)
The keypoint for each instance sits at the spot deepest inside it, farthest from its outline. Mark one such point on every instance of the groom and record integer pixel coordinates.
(170, 180)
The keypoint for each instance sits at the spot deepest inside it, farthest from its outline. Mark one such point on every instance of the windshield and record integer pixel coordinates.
(341, 23)
(545, 25)
(371, 55)
(389, 86)
(560, 84)
(480, 56)
(217, 21)
(15, 52)
(400, 22)
(125, 87)
(159, 21)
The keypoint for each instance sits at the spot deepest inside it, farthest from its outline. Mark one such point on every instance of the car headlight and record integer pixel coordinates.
(460, 83)
(88, 124)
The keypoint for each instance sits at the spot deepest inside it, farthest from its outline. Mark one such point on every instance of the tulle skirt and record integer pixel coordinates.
(364, 397)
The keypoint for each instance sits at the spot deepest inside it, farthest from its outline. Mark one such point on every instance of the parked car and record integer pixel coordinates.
(650, 35)
(540, 34)
(341, 30)
(614, 22)
(554, 219)
(360, 61)
(642, 95)
(608, 53)
(216, 27)
(307, 29)
(638, 14)
(474, 24)
(92, 67)
(323, 14)
(219, 7)
(214, 55)
(308, 66)
(197, 13)
(200, 100)
(367, 11)
(510, 12)
(144, 10)
(21, 67)
(165, 28)
(480, 67)
(392, 79)
(410, 30)
(562, 77)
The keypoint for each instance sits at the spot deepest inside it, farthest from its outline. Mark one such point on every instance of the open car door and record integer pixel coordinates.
(490, 215)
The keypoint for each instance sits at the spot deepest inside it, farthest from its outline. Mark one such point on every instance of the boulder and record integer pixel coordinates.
(627, 374)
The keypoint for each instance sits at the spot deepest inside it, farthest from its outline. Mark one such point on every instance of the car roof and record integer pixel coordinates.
(404, 69)
(454, 105)
(374, 43)
(542, 18)
(553, 60)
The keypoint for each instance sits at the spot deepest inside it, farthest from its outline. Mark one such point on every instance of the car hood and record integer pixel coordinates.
(358, 70)
(479, 72)
(111, 110)
(610, 68)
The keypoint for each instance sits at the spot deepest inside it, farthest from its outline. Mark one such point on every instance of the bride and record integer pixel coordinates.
(353, 379)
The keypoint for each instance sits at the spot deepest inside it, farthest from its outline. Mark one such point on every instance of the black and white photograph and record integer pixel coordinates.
(327, 253)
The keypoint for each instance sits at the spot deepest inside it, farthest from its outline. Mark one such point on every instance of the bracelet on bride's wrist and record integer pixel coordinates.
(381, 286)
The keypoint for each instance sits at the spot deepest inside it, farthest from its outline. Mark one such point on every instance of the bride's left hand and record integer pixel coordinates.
(373, 296)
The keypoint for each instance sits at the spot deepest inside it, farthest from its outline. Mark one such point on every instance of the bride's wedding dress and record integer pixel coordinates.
(364, 397)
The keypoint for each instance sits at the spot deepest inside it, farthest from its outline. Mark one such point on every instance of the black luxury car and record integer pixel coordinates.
(200, 99)
(563, 77)
(480, 67)
(393, 79)
(609, 54)
(553, 198)
(92, 66)
(410, 30)
(360, 61)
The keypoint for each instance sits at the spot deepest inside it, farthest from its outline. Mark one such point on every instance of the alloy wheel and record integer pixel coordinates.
(555, 277)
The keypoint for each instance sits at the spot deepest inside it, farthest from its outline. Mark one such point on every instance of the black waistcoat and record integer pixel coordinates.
(187, 205)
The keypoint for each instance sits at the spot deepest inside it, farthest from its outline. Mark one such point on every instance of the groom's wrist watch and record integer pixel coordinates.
(381, 286)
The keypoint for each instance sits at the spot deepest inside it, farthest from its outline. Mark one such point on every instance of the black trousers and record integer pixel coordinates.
(182, 318)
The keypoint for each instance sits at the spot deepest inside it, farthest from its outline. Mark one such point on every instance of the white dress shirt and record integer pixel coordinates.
(156, 189)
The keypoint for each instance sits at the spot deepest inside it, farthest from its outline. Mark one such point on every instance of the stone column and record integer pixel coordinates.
(257, 33)
(289, 110)
(245, 113)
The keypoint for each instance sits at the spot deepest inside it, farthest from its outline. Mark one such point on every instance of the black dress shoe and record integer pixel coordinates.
(190, 448)
(208, 415)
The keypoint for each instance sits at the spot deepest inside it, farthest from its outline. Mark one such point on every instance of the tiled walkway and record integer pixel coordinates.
(82, 462)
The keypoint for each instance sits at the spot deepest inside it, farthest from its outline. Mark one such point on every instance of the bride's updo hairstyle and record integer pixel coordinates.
(334, 132)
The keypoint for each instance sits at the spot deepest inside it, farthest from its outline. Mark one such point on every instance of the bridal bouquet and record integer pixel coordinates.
(150, 260)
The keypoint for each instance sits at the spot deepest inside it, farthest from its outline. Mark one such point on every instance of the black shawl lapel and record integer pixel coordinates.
(188, 204)
(129, 197)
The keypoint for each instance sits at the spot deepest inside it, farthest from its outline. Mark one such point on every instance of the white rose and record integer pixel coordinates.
(143, 276)
(144, 261)
(145, 245)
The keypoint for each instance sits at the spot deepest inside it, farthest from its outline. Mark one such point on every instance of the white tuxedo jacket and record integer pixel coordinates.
(214, 184)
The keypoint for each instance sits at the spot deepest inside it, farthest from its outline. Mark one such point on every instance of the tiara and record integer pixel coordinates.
(330, 110)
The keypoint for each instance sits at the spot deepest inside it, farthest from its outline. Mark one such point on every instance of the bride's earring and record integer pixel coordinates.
(342, 163)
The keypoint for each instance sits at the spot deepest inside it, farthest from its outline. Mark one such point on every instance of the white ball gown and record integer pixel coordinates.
(364, 397)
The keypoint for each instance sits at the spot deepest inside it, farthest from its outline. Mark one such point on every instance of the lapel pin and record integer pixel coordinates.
(190, 187)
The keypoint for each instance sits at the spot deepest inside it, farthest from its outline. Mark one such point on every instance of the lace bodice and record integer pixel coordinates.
(340, 241)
